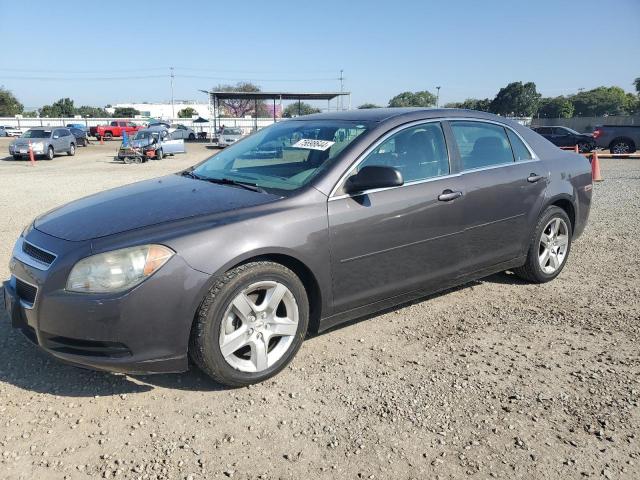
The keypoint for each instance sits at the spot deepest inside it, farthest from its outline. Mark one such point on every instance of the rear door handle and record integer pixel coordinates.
(449, 195)
(533, 178)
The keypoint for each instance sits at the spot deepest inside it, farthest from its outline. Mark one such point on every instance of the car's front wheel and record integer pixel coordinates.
(549, 247)
(251, 324)
(72, 150)
(17, 157)
(622, 146)
(50, 153)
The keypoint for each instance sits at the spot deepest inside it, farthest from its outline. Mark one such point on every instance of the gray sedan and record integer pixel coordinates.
(44, 142)
(302, 226)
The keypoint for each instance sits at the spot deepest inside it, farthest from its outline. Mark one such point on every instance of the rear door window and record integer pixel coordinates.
(481, 144)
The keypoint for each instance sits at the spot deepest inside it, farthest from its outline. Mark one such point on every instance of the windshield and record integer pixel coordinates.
(284, 156)
(232, 131)
(142, 134)
(37, 134)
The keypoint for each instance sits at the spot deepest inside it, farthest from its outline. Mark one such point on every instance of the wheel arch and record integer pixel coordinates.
(566, 203)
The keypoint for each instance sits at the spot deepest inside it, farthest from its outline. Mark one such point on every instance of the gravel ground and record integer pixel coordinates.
(497, 378)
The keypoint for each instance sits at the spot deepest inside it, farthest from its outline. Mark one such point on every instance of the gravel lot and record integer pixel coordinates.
(497, 378)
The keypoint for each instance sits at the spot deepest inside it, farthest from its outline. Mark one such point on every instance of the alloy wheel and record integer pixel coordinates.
(621, 148)
(259, 326)
(554, 244)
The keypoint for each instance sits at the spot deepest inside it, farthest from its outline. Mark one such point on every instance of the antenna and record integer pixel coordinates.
(341, 88)
(173, 112)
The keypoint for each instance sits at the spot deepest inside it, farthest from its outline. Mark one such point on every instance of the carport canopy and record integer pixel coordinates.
(215, 96)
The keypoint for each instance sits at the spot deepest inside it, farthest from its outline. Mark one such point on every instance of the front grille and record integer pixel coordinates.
(26, 292)
(38, 254)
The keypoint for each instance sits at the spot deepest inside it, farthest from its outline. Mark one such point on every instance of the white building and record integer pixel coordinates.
(163, 110)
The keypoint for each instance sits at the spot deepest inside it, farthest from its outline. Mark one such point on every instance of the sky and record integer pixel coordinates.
(122, 51)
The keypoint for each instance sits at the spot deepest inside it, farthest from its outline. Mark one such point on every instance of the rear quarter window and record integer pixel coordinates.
(520, 151)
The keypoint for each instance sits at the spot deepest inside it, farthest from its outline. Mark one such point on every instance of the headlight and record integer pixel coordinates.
(117, 270)
(37, 145)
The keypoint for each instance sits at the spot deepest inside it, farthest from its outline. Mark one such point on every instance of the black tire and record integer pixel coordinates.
(531, 270)
(622, 146)
(159, 154)
(98, 137)
(50, 153)
(17, 157)
(108, 135)
(192, 137)
(128, 160)
(204, 348)
(72, 150)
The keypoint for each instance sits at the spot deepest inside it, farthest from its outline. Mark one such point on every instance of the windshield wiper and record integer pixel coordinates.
(225, 181)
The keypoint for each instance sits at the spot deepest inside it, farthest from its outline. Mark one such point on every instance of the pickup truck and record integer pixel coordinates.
(114, 129)
(619, 139)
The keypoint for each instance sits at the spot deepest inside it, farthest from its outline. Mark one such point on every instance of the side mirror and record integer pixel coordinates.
(373, 177)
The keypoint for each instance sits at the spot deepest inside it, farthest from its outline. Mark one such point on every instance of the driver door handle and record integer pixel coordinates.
(533, 178)
(449, 195)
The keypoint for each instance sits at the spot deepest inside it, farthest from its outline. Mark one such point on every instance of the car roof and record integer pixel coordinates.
(386, 114)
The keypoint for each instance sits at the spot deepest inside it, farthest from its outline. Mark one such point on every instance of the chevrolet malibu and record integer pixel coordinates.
(299, 227)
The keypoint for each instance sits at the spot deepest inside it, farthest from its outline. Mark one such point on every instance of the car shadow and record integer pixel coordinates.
(25, 366)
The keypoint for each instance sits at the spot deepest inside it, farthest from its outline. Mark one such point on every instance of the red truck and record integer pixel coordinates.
(114, 129)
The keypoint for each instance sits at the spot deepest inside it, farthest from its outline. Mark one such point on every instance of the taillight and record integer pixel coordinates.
(597, 132)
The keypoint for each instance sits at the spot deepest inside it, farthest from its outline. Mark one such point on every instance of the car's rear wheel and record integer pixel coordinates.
(549, 247)
(50, 153)
(622, 146)
(250, 324)
(192, 136)
(72, 150)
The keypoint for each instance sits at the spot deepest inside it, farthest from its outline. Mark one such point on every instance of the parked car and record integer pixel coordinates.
(45, 142)
(303, 225)
(14, 131)
(115, 129)
(567, 137)
(80, 136)
(619, 139)
(229, 136)
(79, 126)
(153, 142)
(179, 131)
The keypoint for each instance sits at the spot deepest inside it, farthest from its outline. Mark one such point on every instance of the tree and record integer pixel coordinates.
(187, 112)
(92, 112)
(558, 107)
(304, 109)
(236, 107)
(413, 99)
(9, 104)
(636, 83)
(602, 101)
(368, 105)
(516, 99)
(30, 114)
(125, 112)
(62, 108)
(471, 104)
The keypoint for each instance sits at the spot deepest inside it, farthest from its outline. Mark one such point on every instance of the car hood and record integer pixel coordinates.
(143, 204)
(24, 142)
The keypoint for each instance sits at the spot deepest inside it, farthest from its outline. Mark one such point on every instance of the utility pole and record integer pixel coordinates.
(341, 88)
(438, 96)
(173, 112)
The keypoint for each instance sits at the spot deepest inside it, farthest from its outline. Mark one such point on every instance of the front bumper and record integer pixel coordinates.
(143, 330)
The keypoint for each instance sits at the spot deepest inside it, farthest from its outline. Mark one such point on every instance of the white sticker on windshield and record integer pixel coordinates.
(312, 144)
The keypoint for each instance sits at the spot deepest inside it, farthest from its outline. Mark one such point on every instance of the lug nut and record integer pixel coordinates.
(252, 318)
